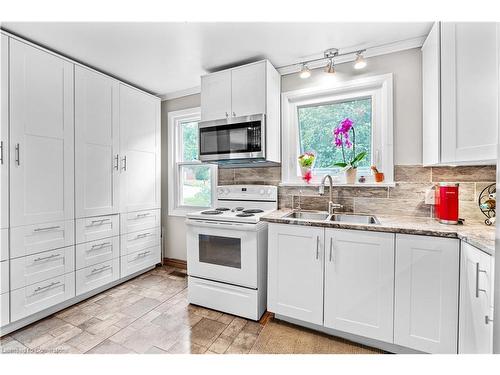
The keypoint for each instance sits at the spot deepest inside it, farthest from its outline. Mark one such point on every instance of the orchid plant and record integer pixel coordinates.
(342, 139)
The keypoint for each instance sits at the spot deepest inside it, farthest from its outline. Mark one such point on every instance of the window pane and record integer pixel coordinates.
(195, 185)
(316, 124)
(189, 131)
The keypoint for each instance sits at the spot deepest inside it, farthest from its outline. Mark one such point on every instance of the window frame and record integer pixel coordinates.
(175, 162)
(380, 88)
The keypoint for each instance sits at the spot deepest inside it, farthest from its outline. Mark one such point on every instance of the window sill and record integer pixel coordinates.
(358, 185)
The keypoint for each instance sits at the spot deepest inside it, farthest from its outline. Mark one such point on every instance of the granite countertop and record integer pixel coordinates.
(475, 233)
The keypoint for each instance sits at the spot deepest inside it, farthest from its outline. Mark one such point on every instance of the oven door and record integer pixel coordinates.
(225, 252)
(234, 138)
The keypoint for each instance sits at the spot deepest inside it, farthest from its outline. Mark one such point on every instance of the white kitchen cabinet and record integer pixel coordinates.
(216, 96)
(460, 93)
(96, 144)
(4, 136)
(139, 150)
(248, 85)
(359, 283)
(295, 272)
(95, 276)
(426, 293)
(41, 136)
(476, 301)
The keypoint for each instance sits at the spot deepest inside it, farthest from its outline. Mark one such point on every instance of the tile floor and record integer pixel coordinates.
(150, 314)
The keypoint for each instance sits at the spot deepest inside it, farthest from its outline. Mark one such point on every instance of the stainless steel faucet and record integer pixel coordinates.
(331, 206)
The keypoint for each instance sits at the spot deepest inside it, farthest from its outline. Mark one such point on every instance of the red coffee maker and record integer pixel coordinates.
(446, 202)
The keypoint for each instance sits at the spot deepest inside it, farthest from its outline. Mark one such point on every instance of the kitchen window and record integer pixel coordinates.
(310, 115)
(191, 184)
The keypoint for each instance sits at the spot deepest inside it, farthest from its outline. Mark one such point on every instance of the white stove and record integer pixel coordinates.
(227, 251)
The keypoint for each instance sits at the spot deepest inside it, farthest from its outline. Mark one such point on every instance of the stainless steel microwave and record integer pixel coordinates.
(236, 138)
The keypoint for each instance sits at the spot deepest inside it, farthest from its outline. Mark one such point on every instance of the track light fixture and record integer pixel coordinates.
(330, 67)
(305, 72)
(360, 61)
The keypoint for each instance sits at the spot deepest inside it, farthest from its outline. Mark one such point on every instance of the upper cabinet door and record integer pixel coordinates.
(4, 134)
(216, 96)
(295, 272)
(248, 90)
(41, 136)
(359, 283)
(139, 150)
(431, 77)
(469, 92)
(96, 144)
(426, 293)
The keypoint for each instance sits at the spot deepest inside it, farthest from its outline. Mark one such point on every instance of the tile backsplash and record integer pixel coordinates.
(406, 198)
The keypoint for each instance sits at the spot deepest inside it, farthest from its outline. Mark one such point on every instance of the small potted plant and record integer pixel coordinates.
(306, 163)
(342, 139)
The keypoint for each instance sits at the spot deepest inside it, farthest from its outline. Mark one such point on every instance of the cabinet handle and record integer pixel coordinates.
(100, 246)
(144, 215)
(18, 159)
(99, 270)
(100, 221)
(317, 247)
(487, 320)
(234, 114)
(47, 257)
(478, 271)
(142, 254)
(116, 162)
(227, 115)
(125, 163)
(46, 228)
(40, 288)
(142, 235)
(1, 152)
(331, 249)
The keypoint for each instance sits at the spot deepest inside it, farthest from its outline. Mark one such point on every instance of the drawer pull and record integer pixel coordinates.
(99, 246)
(140, 255)
(487, 320)
(47, 257)
(478, 271)
(142, 235)
(41, 288)
(46, 228)
(143, 215)
(99, 270)
(100, 222)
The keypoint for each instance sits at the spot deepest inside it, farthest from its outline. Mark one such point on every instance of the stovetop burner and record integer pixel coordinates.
(222, 209)
(245, 214)
(236, 209)
(211, 212)
(253, 211)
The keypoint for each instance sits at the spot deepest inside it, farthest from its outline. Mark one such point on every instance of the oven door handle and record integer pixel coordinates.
(223, 224)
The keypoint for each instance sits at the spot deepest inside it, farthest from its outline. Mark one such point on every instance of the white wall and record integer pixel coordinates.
(406, 68)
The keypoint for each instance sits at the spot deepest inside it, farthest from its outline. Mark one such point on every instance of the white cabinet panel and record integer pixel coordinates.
(4, 309)
(139, 261)
(96, 144)
(216, 96)
(96, 228)
(93, 277)
(359, 283)
(133, 242)
(41, 136)
(37, 297)
(137, 221)
(4, 133)
(4, 277)
(36, 268)
(4, 244)
(426, 293)
(95, 252)
(139, 150)
(295, 272)
(476, 297)
(248, 90)
(31, 239)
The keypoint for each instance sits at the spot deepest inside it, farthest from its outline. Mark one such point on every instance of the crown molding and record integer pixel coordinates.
(180, 93)
(379, 50)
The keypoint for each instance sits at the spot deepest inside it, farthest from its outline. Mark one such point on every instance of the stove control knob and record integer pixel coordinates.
(261, 192)
(269, 192)
(221, 191)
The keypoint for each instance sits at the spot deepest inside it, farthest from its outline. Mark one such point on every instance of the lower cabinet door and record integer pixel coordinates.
(359, 283)
(4, 277)
(426, 293)
(295, 272)
(40, 296)
(95, 276)
(95, 252)
(133, 242)
(140, 260)
(4, 309)
(476, 293)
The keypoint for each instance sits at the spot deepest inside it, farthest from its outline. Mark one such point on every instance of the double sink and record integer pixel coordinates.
(325, 216)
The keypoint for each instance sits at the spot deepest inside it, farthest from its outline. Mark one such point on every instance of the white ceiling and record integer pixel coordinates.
(168, 57)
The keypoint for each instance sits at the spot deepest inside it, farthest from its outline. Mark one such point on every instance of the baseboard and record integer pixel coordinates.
(178, 263)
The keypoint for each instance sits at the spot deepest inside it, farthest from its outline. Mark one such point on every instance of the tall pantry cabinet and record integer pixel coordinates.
(80, 212)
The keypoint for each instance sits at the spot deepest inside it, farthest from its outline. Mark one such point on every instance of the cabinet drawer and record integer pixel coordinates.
(36, 268)
(31, 239)
(136, 221)
(95, 252)
(143, 259)
(4, 309)
(37, 297)
(93, 277)
(4, 244)
(96, 228)
(133, 242)
(4, 277)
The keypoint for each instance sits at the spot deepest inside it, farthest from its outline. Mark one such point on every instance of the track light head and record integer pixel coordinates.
(305, 72)
(330, 67)
(360, 61)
